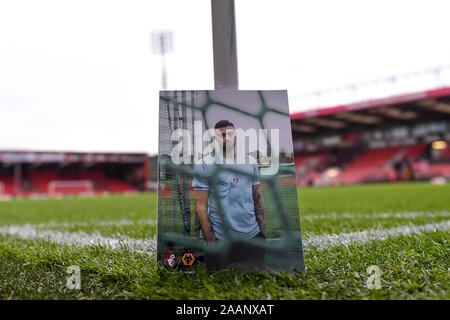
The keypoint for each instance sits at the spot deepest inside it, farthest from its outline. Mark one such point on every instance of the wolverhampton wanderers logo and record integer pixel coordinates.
(188, 259)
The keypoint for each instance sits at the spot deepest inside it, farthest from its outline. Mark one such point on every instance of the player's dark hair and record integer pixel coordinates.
(223, 124)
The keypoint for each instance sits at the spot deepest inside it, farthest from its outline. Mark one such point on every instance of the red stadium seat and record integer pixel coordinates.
(367, 165)
(306, 167)
(414, 151)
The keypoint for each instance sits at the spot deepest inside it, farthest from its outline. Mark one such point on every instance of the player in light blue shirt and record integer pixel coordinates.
(238, 193)
(235, 191)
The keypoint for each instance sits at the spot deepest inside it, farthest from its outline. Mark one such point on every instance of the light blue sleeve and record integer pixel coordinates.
(200, 183)
(255, 178)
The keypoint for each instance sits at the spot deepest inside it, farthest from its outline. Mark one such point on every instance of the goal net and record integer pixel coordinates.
(70, 187)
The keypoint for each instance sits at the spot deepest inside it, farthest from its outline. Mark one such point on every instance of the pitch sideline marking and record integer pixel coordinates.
(124, 222)
(328, 241)
(29, 232)
(113, 223)
(384, 215)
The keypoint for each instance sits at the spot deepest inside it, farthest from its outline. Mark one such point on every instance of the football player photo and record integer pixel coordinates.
(226, 181)
(241, 197)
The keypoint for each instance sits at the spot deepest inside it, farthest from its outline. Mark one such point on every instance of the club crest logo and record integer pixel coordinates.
(235, 180)
(188, 259)
(171, 259)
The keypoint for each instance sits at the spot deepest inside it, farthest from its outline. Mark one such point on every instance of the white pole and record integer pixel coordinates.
(224, 44)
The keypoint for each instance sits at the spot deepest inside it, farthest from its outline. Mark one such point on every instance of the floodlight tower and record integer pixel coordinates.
(162, 44)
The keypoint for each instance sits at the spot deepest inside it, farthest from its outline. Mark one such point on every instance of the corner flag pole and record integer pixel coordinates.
(224, 44)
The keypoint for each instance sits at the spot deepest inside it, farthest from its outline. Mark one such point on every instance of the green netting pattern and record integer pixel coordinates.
(179, 229)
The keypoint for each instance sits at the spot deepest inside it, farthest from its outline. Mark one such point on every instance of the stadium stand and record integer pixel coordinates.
(8, 184)
(307, 167)
(368, 163)
(414, 151)
(372, 165)
(446, 153)
(397, 138)
(70, 173)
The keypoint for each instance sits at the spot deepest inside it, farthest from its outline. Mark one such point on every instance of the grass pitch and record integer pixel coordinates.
(414, 266)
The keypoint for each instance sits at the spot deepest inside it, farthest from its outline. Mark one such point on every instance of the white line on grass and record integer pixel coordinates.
(151, 222)
(29, 232)
(148, 246)
(384, 215)
(95, 223)
(327, 241)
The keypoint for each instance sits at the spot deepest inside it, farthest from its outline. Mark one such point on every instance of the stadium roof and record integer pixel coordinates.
(29, 156)
(403, 109)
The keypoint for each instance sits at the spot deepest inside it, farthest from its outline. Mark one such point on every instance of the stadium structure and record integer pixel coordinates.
(398, 138)
(50, 173)
(403, 137)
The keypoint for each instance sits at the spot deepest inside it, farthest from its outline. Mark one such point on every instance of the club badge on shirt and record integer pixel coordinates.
(235, 180)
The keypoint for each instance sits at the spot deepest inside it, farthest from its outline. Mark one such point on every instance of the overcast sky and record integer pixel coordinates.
(80, 75)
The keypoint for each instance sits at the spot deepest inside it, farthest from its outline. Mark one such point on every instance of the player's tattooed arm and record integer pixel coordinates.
(260, 210)
(201, 204)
